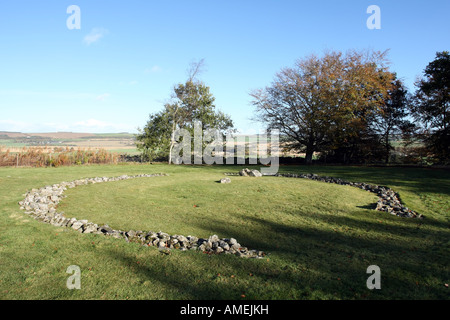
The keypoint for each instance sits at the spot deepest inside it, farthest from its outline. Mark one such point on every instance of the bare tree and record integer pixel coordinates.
(178, 113)
(195, 68)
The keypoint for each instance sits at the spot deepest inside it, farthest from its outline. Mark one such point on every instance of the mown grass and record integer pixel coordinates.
(321, 237)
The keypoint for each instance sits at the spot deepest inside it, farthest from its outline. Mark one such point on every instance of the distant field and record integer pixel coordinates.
(10, 144)
(113, 142)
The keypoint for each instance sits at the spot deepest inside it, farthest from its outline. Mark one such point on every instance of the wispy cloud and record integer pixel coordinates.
(89, 125)
(11, 125)
(153, 69)
(96, 126)
(95, 35)
(28, 127)
(102, 97)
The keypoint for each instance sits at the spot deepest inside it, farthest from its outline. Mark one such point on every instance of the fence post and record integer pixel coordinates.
(17, 160)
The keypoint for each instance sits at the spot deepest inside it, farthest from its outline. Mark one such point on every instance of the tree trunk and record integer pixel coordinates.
(309, 155)
(172, 137)
(387, 145)
(170, 151)
(172, 142)
(388, 151)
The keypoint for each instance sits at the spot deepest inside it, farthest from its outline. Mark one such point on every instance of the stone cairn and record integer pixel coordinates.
(41, 204)
(388, 200)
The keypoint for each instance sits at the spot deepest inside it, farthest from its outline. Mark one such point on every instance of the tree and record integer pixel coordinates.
(432, 105)
(187, 101)
(324, 104)
(154, 139)
(191, 101)
(195, 102)
(391, 118)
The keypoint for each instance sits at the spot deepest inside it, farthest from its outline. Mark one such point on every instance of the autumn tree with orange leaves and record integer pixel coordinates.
(326, 104)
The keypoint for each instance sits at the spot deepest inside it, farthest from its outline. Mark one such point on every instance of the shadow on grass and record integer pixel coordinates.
(370, 206)
(304, 263)
(328, 263)
(189, 278)
(416, 180)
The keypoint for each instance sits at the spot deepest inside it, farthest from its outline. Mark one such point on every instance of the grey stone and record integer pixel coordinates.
(152, 235)
(90, 228)
(213, 238)
(219, 250)
(251, 173)
(131, 234)
(224, 245)
(192, 239)
(77, 225)
(163, 235)
(255, 173)
(106, 229)
(236, 246)
(243, 172)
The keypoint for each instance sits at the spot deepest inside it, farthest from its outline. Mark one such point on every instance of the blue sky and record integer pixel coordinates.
(122, 63)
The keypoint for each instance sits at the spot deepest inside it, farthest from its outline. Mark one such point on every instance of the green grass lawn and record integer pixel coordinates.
(320, 237)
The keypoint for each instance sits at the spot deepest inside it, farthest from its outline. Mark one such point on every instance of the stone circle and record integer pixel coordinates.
(41, 204)
(388, 199)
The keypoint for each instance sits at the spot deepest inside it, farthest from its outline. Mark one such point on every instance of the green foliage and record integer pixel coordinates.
(432, 106)
(153, 141)
(391, 117)
(193, 102)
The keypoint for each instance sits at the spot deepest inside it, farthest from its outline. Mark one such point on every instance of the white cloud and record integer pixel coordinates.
(15, 126)
(53, 126)
(153, 69)
(30, 127)
(95, 35)
(102, 97)
(88, 126)
(91, 123)
(97, 126)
